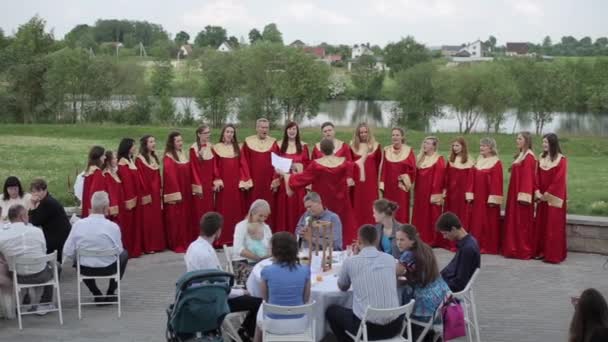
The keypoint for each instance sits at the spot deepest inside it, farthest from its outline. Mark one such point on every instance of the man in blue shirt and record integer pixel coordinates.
(467, 259)
(316, 212)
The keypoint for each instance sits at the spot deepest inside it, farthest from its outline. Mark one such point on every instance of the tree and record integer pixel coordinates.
(163, 49)
(272, 34)
(490, 43)
(405, 54)
(366, 79)
(418, 94)
(462, 88)
(182, 38)
(212, 36)
(233, 41)
(254, 36)
(162, 78)
(498, 93)
(547, 46)
(218, 90)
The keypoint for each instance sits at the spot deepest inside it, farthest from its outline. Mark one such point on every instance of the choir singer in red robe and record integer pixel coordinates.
(93, 178)
(340, 148)
(130, 212)
(201, 165)
(365, 193)
(458, 179)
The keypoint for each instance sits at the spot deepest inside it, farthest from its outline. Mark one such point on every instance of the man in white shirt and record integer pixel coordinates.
(95, 232)
(20, 239)
(201, 255)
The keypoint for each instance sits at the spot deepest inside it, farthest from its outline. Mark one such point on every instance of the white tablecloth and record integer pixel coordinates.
(324, 293)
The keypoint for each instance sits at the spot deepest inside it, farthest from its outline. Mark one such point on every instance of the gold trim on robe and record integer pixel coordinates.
(405, 183)
(469, 196)
(457, 164)
(522, 156)
(207, 154)
(131, 203)
(493, 199)
(172, 198)
(375, 145)
(547, 164)
(125, 161)
(291, 146)
(381, 186)
(197, 189)
(91, 170)
(180, 155)
(403, 153)
(113, 211)
(152, 165)
(524, 197)
(225, 151)
(113, 175)
(437, 198)
(246, 184)
(331, 161)
(260, 145)
(554, 201)
(428, 161)
(486, 163)
(146, 199)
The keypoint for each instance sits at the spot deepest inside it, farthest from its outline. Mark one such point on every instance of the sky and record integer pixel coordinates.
(432, 22)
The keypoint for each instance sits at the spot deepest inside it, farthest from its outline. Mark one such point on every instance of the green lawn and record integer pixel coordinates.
(58, 152)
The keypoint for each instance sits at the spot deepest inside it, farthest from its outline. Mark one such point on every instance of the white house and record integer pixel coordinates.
(224, 47)
(474, 49)
(360, 50)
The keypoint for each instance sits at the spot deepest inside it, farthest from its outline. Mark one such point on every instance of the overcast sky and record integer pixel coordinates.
(433, 22)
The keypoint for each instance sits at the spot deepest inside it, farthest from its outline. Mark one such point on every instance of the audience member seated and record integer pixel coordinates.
(372, 276)
(12, 194)
(315, 211)
(47, 213)
(590, 320)
(386, 226)
(418, 271)
(285, 283)
(20, 239)
(252, 239)
(201, 255)
(467, 259)
(97, 233)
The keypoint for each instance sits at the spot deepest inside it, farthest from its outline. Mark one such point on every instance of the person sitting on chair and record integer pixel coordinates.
(97, 233)
(201, 255)
(20, 239)
(315, 211)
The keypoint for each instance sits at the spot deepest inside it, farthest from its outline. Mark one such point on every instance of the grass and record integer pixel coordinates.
(58, 152)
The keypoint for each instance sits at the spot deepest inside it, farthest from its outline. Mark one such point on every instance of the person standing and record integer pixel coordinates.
(154, 239)
(290, 208)
(364, 193)
(398, 173)
(201, 166)
(519, 213)
(130, 210)
(340, 148)
(552, 195)
(93, 178)
(177, 194)
(428, 195)
(113, 187)
(486, 194)
(230, 181)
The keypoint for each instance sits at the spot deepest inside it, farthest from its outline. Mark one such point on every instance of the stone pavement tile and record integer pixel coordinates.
(516, 301)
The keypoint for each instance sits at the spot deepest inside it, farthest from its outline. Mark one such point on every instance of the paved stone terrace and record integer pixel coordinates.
(517, 301)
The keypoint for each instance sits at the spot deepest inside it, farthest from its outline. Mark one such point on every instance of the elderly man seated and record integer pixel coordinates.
(315, 211)
(20, 239)
(97, 233)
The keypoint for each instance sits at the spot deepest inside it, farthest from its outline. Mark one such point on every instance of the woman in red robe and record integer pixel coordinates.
(201, 166)
(93, 178)
(428, 195)
(154, 238)
(486, 194)
(113, 187)
(365, 193)
(177, 195)
(340, 148)
(398, 174)
(329, 177)
(551, 195)
(231, 180)
(130, 211)
(519, 213)
(458, 179)
(289, 208)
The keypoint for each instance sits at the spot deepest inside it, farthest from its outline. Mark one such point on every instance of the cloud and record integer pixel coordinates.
(227, 13)
(528, 8)
(307, 12)
(414, 9)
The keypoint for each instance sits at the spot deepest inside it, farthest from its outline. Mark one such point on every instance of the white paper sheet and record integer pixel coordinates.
(283, 164)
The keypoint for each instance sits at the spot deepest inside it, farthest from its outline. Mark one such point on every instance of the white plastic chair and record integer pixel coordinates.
(234, 319)
(49, 259)
(467, 299)
(115, 252)
(431, 325)
(231, 258)
(405, 310)
(305, 336)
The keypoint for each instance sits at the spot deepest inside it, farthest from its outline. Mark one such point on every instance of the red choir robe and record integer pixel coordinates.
(458, 180)
(428, 198)
(487, 195)
(328, 177)
(130, 212)
(551, 210)
(154, 238)
(201, 166)
(257, 153)
(363, 194)
(289, 209)
(519, 214)
(114, 189)
(93, 182)
(177, 199)
(340, 150)
(232, 173)
(397, 177)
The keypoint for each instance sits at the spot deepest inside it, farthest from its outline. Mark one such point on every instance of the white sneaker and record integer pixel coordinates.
(43, 309)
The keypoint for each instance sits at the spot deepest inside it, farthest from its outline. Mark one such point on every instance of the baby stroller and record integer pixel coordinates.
(201, 303)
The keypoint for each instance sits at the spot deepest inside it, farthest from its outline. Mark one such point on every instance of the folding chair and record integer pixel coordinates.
(49, 259)
(234, 319)
(307, 335)
(405, 310)
(80, 252)
(467, 299)
(431, 325)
